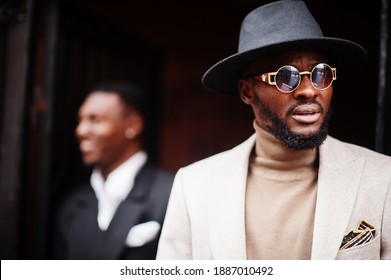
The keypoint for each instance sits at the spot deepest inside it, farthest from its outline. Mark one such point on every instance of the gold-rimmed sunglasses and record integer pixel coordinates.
(287, 78)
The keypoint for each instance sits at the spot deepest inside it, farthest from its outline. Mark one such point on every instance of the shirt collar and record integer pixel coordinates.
(120, 181)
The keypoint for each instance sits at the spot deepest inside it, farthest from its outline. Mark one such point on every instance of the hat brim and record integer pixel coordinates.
(224, 76)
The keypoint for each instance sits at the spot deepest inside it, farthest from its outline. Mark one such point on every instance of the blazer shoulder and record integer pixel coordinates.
(157, 175)
(373, 159)
(78, 195)
(361, 151)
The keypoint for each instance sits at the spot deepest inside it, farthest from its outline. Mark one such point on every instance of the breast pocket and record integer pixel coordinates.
(368, 251)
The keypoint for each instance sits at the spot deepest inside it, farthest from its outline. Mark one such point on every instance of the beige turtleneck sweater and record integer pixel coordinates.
(280, 200)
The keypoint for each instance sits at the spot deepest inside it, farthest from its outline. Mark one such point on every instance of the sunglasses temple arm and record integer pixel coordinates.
(269, 78)
(334, 70)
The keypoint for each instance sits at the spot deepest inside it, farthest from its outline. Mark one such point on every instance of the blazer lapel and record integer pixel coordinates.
(126, 217)
(128, 214)
(338, 184)
(226, 204)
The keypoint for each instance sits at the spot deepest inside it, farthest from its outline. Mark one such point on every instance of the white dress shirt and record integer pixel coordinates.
(116, 188)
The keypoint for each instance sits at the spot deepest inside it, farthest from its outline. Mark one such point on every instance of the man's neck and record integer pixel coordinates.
(276, 154)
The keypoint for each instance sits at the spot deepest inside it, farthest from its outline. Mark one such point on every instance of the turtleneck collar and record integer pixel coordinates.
(273, 156)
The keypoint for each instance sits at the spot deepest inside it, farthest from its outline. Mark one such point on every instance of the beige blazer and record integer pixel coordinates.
(205, 217)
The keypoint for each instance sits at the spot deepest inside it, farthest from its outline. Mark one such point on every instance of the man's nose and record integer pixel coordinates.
(81, 129)
(305, 90)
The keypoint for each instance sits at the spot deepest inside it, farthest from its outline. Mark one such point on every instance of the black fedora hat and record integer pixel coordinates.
(278, 27)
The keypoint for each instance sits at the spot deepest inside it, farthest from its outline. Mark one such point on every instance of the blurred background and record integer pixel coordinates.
(52, 52)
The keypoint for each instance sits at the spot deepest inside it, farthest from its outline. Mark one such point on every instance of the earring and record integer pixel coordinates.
(130, 133)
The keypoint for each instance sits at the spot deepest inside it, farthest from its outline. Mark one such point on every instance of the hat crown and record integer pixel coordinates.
(277, 22)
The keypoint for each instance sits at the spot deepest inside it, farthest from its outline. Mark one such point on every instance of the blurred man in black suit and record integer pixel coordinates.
(117, 214)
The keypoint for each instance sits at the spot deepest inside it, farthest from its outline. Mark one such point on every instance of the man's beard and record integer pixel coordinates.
(281, 131)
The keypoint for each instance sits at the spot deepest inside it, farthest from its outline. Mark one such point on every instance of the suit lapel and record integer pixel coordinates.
(226, 204)
(128, 214)
(338, 183)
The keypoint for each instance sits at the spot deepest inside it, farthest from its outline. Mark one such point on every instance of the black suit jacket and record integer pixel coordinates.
(78, 235)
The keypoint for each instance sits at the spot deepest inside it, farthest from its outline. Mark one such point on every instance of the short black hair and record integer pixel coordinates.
(131, 94)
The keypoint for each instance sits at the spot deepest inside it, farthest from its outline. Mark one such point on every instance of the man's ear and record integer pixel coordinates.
(135, 123)
(246, 91)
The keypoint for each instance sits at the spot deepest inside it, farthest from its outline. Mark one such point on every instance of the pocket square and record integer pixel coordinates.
(364, 233)
(142, 233)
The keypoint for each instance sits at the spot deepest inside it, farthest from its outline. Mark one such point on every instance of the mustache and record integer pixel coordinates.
(304, 102)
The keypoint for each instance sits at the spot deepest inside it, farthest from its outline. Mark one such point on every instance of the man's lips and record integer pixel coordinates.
(306, 113)
(86, 146)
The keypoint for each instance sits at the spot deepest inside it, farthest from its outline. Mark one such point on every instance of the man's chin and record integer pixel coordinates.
(302, 140)
(89, 161)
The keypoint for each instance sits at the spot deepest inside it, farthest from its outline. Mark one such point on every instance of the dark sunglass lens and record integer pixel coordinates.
(287, 78)
(322, 76)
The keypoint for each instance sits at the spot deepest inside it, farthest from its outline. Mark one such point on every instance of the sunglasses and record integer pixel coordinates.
(287, 79)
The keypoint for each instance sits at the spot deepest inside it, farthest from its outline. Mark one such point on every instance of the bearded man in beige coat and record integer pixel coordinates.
(290, 191)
